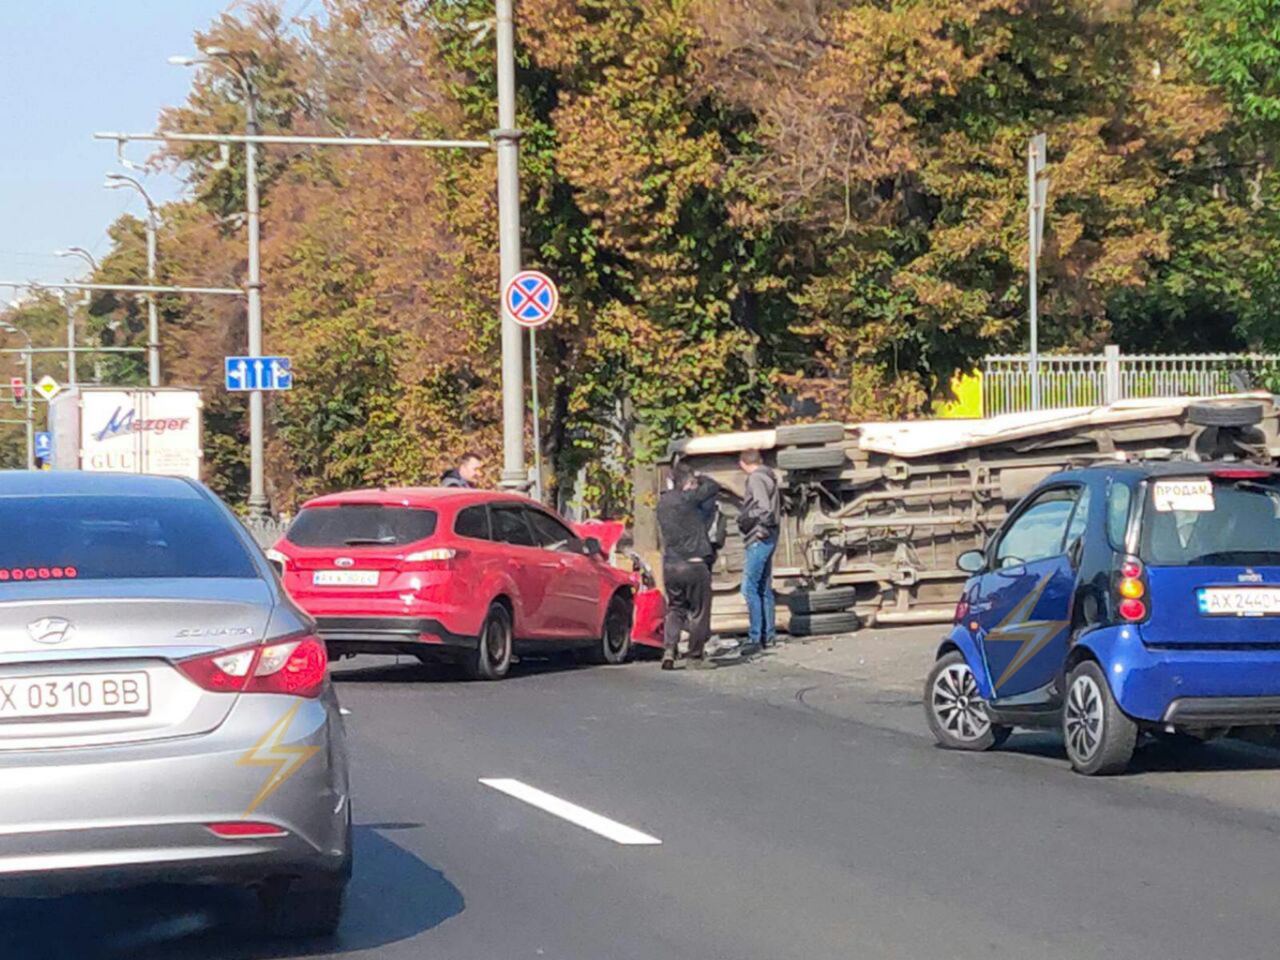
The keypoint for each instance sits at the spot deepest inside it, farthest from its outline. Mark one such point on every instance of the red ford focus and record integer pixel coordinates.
(459, 576)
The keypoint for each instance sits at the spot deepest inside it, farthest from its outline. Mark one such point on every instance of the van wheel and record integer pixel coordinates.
(492, 657)
(822, 600)
(614, 645)
(956, 711)
(811, 458)
(802, 434)
(1235, 414)
(819, 624)
(1100, 738)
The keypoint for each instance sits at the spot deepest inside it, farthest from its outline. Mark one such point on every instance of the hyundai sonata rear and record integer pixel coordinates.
(165, 712)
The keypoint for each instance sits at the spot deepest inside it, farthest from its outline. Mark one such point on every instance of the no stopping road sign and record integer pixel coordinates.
(531, 298)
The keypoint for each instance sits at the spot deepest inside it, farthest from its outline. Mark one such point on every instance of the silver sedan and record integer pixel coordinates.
(165, 711)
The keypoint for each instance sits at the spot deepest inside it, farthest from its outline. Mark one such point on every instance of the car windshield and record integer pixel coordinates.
(1212, 521)
(361, 524)
(118, 538)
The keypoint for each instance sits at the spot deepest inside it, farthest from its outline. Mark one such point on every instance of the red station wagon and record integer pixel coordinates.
(459, 576)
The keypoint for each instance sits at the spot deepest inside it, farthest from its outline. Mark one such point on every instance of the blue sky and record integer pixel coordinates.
(69, 68)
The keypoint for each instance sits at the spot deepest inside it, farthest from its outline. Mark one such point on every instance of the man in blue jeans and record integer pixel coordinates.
(759, 521)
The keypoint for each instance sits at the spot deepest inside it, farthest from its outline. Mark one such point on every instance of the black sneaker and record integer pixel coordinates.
(749, 649)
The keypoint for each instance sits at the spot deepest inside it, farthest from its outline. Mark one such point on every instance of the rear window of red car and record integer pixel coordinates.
(361, 525)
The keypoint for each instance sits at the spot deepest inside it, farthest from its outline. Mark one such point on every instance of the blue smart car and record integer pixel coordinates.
(1115, 601)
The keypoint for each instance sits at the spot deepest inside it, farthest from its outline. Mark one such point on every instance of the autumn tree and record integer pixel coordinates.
(756, 209)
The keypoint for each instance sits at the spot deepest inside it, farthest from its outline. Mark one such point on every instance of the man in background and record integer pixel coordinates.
(464, 475)
(759, 520)
(686, 563)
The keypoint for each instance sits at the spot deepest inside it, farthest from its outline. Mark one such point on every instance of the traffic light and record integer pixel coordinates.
(19, 387)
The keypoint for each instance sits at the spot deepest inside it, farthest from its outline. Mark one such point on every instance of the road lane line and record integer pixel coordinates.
(611, 829)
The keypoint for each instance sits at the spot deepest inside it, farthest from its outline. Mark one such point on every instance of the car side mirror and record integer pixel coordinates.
(972, 561)
(592, 548)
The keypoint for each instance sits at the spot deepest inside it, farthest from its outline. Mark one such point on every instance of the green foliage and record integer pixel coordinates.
(1237, 44)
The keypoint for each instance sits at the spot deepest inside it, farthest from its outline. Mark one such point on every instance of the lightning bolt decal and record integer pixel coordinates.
(270, 752)
(1031, 634)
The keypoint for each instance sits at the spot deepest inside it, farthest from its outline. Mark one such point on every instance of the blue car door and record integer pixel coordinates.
(1023, 602)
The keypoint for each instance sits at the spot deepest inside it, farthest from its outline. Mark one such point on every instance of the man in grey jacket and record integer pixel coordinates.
(759, 521)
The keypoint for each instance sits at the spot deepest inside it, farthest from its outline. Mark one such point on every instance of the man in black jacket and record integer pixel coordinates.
(686, 562)
(465, 473)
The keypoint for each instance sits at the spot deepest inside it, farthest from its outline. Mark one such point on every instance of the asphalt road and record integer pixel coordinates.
(787, 829)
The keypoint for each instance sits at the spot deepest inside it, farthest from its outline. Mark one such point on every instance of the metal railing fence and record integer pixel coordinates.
(1083, 380)
(265, 530)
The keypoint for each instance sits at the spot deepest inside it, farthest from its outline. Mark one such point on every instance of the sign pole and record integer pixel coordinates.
(1037, 196)
(530, 299)
(537, 430)
(31, 416)
(1032, 280)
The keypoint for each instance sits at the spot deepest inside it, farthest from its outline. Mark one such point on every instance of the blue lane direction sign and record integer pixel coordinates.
(44, 445)
(258, 373)
(531, 298)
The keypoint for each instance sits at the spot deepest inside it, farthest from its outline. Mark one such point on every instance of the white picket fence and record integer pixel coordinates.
(1082, 380)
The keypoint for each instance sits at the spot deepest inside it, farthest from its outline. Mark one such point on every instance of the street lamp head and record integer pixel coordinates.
(80, 252)
(215, 51)
(180, 61)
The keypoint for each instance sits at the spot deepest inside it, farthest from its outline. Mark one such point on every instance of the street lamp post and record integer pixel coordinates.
(507, 140)
(117, 181)
(70, 305)
(257, 453)
(31, 430)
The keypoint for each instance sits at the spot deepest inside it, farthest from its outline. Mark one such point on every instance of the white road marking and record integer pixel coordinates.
(611, 829)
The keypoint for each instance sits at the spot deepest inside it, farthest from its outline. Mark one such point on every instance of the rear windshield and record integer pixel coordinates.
(356, 525)
(118, 538)
(1212, 521)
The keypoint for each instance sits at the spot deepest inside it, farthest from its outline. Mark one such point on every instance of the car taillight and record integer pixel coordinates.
(1133, 610)
(278, 560)
(440, 558)
(295, 667)
(1131, 587)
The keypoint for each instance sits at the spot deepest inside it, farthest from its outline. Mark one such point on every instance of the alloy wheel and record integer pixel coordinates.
(1083, 718)
(958, 705)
